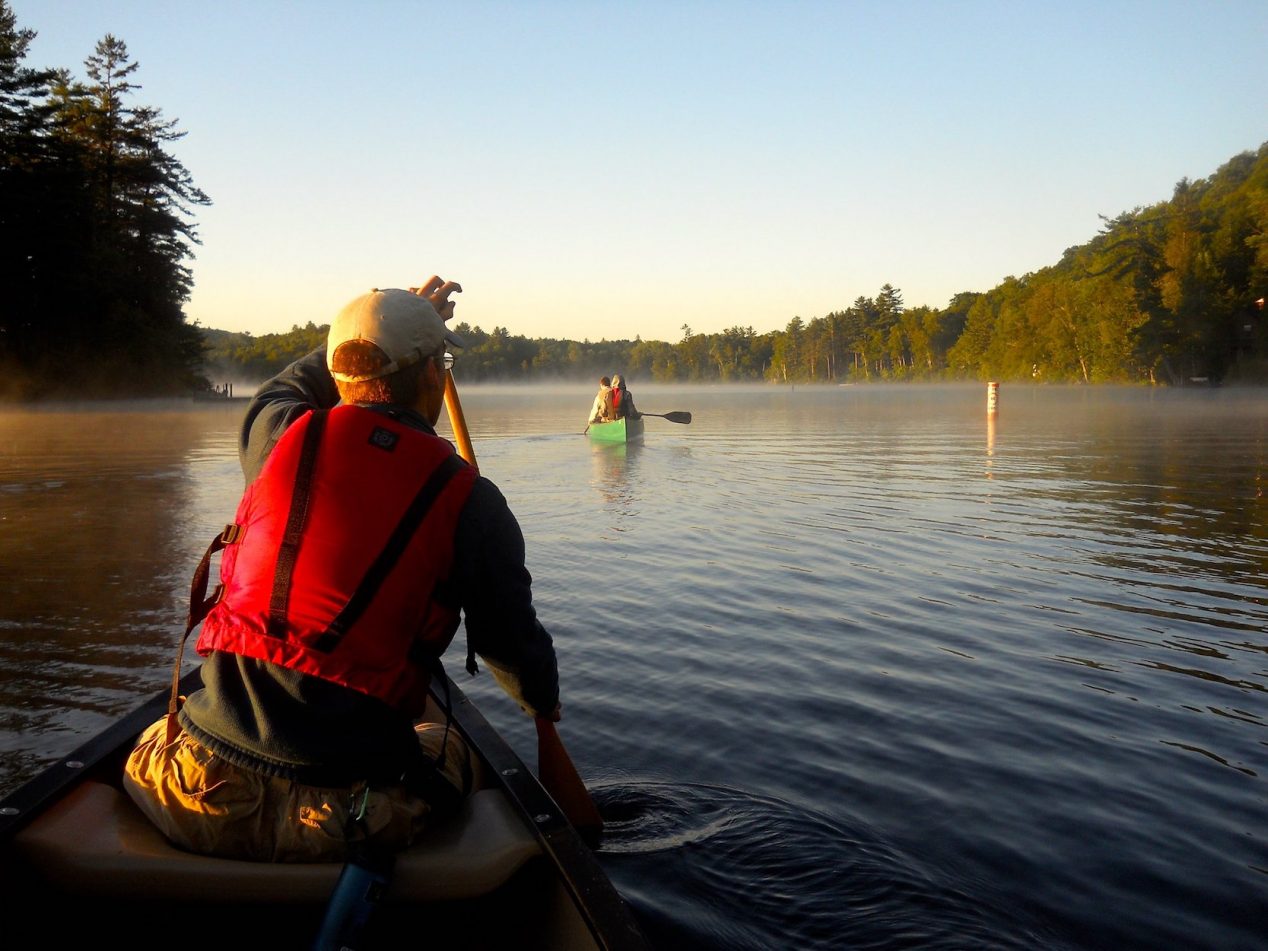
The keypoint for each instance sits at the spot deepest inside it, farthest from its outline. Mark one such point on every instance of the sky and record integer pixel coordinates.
(610, 170)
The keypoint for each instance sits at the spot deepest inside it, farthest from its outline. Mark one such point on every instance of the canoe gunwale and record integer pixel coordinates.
(606, 913)
(27, 801)
(602, 910)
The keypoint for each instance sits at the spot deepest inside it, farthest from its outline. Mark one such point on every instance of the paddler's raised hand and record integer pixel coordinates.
(438, 291)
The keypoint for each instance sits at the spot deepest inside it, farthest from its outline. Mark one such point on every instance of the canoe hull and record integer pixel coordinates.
(79, 864)
(618, 431)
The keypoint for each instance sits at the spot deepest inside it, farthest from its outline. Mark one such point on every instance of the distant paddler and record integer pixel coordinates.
(601, 409)
(623, 404)
(622, 401)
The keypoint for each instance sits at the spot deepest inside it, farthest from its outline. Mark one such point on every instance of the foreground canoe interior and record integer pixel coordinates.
(80, 864)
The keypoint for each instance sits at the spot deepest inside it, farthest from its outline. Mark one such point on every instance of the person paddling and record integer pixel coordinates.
(360, 538)
(622, 401)
(601, 409)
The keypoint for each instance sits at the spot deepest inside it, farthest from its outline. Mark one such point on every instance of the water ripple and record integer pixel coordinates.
(761, 873)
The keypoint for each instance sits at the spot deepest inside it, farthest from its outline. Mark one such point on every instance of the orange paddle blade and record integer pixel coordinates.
(559, 776)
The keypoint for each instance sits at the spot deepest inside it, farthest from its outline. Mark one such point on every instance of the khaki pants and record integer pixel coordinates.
(205, 804)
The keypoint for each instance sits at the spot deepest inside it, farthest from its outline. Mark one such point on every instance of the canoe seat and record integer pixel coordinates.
(96, 842)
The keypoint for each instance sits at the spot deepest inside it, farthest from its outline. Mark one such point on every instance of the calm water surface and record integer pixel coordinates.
(844, 668)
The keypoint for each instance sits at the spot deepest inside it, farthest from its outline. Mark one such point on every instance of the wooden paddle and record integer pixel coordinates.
(675, 417)
(458, 422)
(554, 765)
(559, 776)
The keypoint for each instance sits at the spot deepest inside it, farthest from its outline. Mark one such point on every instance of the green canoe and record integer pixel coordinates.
(618, 431)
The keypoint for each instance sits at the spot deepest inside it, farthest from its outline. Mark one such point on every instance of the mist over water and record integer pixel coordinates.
(844, 667)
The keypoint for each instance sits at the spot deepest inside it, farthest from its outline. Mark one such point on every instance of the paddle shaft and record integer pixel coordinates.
(554, 765)
(457, 421)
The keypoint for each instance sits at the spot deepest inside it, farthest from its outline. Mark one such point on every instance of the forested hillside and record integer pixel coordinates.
(1168, 294)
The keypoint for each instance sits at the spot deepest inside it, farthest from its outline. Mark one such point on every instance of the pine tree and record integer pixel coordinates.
(138, 233)
(28, 249)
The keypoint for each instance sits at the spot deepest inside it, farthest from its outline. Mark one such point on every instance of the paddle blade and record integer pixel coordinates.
(678, 417)
(559, 776)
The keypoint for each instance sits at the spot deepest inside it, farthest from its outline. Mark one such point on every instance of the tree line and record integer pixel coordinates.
(96, 225)
(96, 217)
(1168, 294)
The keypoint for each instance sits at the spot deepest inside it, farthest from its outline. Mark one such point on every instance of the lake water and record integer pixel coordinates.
(851, 667)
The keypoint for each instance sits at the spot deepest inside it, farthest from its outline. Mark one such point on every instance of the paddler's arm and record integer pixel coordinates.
(305, 384)
(497, 600)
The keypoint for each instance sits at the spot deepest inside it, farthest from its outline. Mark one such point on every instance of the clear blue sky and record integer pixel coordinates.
(597, 170)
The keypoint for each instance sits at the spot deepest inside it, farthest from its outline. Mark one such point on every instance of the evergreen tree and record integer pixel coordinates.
(95, 216)
(142, 198)
(30, 243)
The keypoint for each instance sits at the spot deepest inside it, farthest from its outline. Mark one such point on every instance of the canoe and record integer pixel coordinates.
(618, 431)
(81, 866)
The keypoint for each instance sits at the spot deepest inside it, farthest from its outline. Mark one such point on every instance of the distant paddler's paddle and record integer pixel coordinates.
(675, 417)
(554, 765)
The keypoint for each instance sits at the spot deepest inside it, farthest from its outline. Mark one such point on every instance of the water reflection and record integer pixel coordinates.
(96, 509)
(990, 445)
(614, 468)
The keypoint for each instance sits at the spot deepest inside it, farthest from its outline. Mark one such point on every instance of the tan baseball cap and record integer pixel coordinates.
(404, 326)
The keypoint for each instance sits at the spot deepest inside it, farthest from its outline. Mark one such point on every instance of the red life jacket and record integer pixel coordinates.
(340, 555)
(616, 398)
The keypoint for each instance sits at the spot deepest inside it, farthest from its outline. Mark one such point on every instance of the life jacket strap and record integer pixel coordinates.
(426, 778)
(199, 607)
(295, 520)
